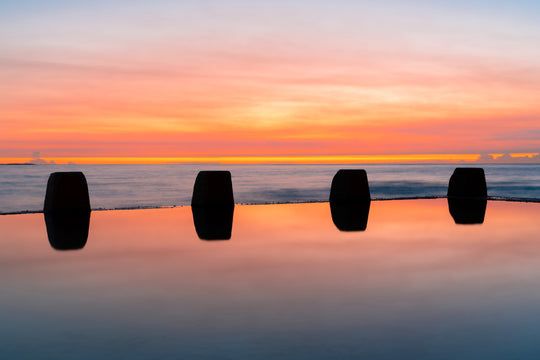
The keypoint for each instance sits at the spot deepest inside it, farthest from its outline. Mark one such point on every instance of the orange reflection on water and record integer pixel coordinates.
(403, 240)
(286, 270)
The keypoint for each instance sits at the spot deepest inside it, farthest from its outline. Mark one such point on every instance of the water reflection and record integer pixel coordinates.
(289, 283)
(213, 222)
(67, 230)
(467, 211)
(350, 217)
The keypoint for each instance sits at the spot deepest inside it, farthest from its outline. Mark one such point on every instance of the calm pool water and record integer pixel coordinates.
(288, 284)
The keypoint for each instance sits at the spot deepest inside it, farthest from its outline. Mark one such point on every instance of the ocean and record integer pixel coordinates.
(22, 188)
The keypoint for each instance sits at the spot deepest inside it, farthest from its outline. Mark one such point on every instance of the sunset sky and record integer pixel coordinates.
(266, 80)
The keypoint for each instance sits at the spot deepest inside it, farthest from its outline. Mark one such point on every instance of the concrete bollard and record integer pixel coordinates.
(467, 195)
(66, 191)
(350, 200)
(213, 188)
(212, 205)
(350, 186)
(467, 182)
(67, 210)
(67, 230)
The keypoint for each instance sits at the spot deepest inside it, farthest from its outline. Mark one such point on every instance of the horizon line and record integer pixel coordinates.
(270, 159)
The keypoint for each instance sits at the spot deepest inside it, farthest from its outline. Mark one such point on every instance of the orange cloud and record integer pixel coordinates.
(265, 96)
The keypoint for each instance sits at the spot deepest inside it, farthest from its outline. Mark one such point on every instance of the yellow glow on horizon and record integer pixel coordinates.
(295, 159)
(514, 155)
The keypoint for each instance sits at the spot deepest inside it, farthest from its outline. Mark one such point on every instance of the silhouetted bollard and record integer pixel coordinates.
(67, 210)
(67, 230)
(212, 205)
(212, 188)
(467, 195)
(350, 200)
(467, 182)
(67, 191)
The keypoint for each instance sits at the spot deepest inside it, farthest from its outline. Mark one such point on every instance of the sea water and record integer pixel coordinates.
(22, 188)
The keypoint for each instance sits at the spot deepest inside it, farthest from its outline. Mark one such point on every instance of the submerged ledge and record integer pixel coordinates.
(490, 198)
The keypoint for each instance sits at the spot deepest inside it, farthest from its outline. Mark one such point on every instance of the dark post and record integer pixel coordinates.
(212, 205)
(67, 210)
(213, 188)
(467, 195)
(349, 186)
(66, 191)
(350, 200)
(468, 182)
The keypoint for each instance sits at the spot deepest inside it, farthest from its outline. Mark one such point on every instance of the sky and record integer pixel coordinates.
(131, 81)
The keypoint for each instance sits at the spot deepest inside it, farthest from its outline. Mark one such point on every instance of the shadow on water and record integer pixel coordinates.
(213, 222)
(67, 230)
(467, 211)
